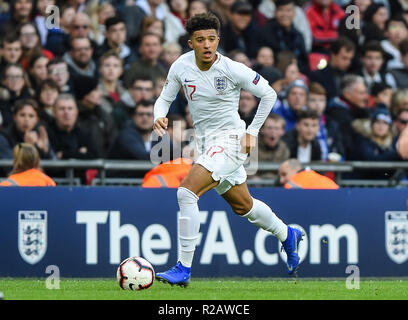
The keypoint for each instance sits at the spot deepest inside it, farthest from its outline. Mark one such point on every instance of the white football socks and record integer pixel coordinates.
(262, 216)
(188, 225)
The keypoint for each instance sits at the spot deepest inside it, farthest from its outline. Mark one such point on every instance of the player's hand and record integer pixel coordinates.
(160, 126)
(248, 143)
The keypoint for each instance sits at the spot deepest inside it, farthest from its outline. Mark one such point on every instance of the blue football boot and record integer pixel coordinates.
(291, 246)
(178, 275)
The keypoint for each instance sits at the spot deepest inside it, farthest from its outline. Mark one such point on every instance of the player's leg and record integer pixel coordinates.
(260, 214)
(196, 183)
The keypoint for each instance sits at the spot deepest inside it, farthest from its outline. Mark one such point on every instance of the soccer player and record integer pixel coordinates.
(212, 84)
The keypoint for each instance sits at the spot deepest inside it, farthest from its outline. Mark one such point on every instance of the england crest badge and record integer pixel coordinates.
(220, 83)
(396, 235)
(32, 235)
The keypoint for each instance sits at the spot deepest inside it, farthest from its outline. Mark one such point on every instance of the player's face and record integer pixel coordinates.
(205, 44)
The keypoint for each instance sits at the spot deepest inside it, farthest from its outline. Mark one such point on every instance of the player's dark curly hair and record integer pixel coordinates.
(204, 21)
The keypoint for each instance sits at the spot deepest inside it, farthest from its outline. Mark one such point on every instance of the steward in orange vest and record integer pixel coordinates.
(26, 169)
(167, 175)
(29, 178)
(309, 179)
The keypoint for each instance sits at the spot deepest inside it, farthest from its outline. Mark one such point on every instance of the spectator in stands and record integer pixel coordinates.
(135, 141)
(176, 129)
(47, 93)
(292, 176)
(372, 57)
(99, 12)
(37, 70)
(20, 12)
(401, 74)
(16, 86)
(294, 102)
(280, 34)
(79, 5)
(134, 16)
(171, 51)
(58, 72)
(26, 169)
(329, 135)
(381, 95)
(239, 56)
(79, 59)
(239, 32)
(377, 145)
(155, 8)
(302, 140)
(141, 88)
(92, 119)
(115, 40)
(11, 50)
(396, 31)
(375, 19)
(399, 101)
(400, 122)
(264, 58)
(350, 105)
(31, 44)
(111, 69)
(158, 86)
(271, 148)
(67, 140)
(151, 25)
(289, 72)
(266, 11)
(341, 54)
(175, 20)
(26, 127)
(247, 106)
(80, 26)
(324, 17)
(150, 50)
(221, 8)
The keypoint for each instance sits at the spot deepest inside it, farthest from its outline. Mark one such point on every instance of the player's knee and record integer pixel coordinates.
(186, 196)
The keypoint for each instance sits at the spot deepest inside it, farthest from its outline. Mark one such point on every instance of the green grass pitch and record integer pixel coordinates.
(206, 289)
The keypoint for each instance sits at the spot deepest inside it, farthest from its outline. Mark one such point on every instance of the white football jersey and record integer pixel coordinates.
(213, 95)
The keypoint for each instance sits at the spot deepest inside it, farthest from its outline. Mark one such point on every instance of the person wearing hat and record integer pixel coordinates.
(240, 32)
(377, 145)
(294, 101)
(92, 119)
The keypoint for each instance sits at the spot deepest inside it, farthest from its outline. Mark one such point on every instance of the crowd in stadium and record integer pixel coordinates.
(80, 81)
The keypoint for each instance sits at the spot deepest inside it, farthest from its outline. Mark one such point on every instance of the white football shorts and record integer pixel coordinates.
(223, 158)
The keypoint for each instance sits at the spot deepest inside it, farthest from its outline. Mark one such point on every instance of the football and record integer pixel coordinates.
(135, 273)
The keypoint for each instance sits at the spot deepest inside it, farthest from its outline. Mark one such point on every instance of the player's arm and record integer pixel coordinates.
(163, 102)
(254, 83)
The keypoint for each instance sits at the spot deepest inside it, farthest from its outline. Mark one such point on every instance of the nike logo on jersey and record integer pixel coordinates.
(185, 80)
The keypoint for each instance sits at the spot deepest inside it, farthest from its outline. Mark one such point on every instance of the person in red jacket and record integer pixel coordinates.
(26, 169)
(324, 17)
